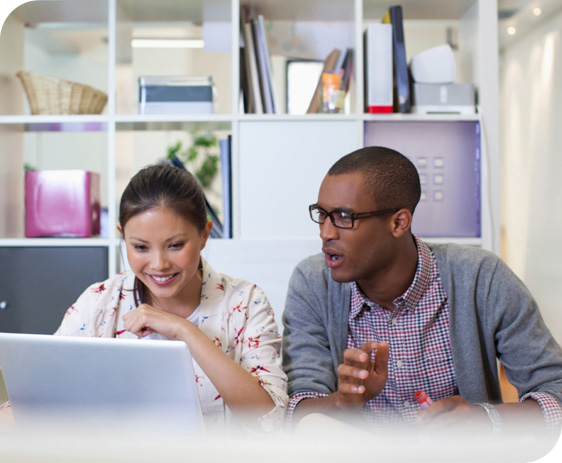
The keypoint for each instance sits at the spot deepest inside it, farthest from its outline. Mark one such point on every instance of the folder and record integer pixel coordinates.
(378, 68)
(402, 101)
(226, 179)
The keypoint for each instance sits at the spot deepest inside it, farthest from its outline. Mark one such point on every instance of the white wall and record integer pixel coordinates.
(531, 164)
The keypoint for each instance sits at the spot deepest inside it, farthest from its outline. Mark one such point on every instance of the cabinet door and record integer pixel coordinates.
(282, 164)
(38, 285)
(447, 156)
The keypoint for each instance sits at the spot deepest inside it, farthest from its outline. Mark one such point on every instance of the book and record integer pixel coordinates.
(402, 101)
(378, 68)
(346, 69)
(245, 94)
(329, 66)
(250, 63)
(264, 64)
(226, 181)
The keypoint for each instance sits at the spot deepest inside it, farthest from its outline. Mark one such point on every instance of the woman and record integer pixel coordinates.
(171, 292)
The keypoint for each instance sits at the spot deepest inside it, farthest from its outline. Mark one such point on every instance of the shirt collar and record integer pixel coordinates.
(409, 300)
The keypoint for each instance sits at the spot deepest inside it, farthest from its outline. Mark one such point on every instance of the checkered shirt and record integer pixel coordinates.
(417, 331)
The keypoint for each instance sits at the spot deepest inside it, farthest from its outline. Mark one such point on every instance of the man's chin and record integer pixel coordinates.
(340, 277)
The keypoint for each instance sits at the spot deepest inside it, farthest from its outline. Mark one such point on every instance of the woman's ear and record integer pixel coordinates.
(119, 229)
(206, 233)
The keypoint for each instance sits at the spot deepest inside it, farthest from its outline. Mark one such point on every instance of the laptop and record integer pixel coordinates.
(144, 384)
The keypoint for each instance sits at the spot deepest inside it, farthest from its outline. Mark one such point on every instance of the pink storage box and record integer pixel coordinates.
(62, 203)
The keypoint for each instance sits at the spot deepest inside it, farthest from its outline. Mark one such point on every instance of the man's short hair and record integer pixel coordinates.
(391, 177)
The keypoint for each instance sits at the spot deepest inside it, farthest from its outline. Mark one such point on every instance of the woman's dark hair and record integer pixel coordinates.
(391, 177)
(162, 186)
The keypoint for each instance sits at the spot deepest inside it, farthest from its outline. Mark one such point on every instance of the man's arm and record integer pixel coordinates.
(505, 323)
(310, 339)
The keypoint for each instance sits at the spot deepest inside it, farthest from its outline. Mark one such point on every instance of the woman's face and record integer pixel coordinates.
(163, 250)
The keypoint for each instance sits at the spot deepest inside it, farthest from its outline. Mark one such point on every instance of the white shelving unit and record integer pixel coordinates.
(278, 160)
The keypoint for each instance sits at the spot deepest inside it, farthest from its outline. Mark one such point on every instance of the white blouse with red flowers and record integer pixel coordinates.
(234, 313)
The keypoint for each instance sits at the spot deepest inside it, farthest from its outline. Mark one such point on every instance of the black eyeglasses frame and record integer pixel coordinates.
(353, 215)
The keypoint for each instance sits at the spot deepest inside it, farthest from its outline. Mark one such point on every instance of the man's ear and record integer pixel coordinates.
(401, 222)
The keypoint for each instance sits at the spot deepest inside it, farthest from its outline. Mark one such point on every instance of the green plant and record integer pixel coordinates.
(204, 169)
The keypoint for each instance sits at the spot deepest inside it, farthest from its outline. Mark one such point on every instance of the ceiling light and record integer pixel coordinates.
(511, 30)
(167, 43)
(537, 11)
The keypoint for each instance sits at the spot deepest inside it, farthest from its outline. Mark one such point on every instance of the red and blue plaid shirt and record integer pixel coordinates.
(417, 331)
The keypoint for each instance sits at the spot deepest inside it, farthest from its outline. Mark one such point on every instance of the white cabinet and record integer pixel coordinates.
(280, 171)
(278, 160)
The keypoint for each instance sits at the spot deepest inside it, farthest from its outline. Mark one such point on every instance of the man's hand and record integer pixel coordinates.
(456, 413)
(359, 378)
(453, 413)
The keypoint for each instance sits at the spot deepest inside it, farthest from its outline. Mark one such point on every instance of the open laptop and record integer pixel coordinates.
(144, 384)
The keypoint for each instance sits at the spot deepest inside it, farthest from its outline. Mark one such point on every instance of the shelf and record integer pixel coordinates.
(86, 123)
(56, 242)
(40, 11)
(395, 117)
(54, 123)
(175, 10)
(303, 11)
(298, 118)
(462, 241)
(418, 10)
(174, 122)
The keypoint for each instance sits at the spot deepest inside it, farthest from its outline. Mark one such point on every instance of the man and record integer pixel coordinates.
(382, 314)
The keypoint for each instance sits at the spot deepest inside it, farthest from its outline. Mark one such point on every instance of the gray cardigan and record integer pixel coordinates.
(492, 315)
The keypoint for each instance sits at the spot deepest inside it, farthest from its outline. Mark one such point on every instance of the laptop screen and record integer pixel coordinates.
(147, 384)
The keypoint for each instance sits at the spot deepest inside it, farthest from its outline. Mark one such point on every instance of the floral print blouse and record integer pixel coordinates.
(234, 313)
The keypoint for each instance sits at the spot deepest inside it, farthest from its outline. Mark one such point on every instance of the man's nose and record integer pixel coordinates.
(328, 231)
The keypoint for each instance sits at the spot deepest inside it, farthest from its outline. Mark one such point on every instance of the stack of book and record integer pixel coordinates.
(255, 68)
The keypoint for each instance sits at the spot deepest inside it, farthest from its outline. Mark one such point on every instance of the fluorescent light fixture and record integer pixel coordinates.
(167, 43)
(537, 11)
(511, 30)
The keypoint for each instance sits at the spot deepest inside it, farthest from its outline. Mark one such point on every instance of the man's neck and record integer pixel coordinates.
(383, 289)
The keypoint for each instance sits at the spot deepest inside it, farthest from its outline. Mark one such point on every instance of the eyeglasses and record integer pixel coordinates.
(344, 219)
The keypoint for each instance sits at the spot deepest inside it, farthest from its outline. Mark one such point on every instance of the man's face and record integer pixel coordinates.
(363, 252)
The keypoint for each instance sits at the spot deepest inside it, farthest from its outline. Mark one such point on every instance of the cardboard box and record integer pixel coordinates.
(63, 203)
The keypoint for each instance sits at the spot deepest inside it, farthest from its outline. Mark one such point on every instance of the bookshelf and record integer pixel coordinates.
(278, 160)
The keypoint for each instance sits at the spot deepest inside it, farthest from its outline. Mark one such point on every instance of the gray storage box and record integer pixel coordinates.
(176, 95)
(443, 98)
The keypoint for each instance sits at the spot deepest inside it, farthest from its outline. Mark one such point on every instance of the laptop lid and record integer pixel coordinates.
(147, 384)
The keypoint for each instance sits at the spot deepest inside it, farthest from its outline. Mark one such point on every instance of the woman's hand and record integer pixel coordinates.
(146, 319)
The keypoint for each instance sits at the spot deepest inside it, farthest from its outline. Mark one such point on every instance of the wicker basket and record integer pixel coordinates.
(51, 95)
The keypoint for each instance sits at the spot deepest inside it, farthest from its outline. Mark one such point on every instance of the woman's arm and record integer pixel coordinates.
(240, 390)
